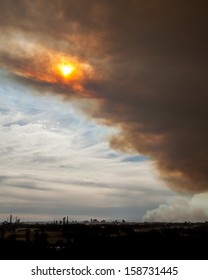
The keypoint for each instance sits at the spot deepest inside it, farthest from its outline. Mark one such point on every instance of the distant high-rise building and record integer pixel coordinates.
(10, 219)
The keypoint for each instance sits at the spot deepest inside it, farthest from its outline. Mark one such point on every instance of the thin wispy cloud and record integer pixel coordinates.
(55, 160)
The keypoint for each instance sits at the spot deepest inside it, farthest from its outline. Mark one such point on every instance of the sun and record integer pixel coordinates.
(66, 69)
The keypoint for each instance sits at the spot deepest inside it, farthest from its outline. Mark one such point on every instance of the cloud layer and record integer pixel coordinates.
(55, 163)
(149, 72)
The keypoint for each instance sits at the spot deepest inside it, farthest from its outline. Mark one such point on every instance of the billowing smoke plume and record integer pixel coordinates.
(149, 71)
(181, 209)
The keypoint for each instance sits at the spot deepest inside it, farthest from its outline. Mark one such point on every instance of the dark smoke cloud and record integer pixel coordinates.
(150, 57)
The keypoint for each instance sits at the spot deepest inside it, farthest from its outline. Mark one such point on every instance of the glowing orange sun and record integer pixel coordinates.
(66, 69)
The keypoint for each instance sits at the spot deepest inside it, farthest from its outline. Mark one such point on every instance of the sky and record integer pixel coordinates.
(103, 110)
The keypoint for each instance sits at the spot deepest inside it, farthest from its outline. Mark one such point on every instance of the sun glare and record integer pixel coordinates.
(66, 69)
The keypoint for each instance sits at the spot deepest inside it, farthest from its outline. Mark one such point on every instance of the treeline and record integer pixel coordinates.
(80, 241)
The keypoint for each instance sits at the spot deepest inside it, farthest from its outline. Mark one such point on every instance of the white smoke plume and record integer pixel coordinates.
(180, 209)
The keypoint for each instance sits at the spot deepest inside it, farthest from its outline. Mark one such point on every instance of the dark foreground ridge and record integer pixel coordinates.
(124, 241)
